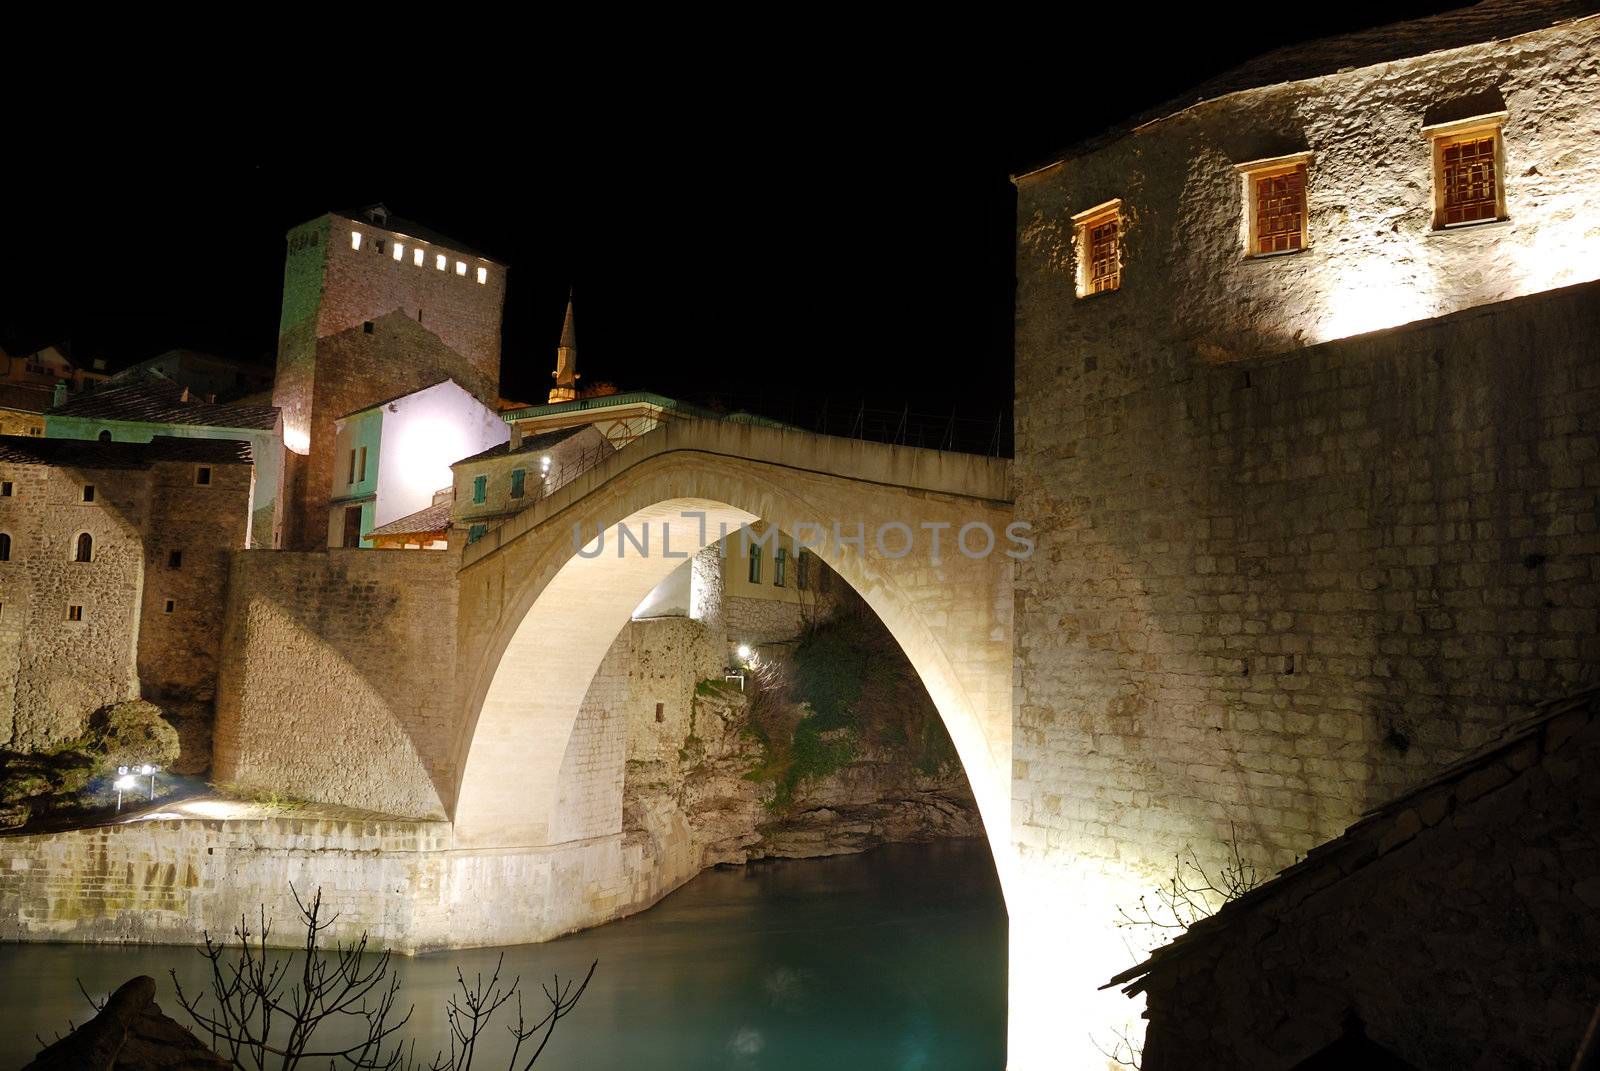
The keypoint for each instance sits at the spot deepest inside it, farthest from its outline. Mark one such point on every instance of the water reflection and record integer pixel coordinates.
(890, 960)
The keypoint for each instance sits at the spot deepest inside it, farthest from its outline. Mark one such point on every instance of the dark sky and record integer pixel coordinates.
(774, 232)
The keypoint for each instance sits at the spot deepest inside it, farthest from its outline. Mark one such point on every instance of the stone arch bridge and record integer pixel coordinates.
(536, 616)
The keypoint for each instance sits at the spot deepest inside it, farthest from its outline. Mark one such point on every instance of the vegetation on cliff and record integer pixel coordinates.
(844, 690)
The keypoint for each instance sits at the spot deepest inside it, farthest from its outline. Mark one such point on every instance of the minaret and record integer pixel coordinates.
(566, 373)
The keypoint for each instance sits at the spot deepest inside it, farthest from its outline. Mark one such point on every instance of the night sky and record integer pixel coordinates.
(772, 232)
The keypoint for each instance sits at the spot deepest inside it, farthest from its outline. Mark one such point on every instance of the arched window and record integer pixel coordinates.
(5, 547)
(105, 436)
(85, 548)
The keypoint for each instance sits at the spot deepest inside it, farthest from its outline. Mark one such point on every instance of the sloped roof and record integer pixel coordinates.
(1381, 830)
(530, 445)
(93, 454)
(434, 518)
(151, 398)
(1491, 20)
(398, 397)
(25, 399)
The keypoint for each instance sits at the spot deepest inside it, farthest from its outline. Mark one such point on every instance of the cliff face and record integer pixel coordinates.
(794, 765)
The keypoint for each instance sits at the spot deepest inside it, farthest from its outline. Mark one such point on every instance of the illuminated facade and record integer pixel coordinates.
(372, 306)
(392, 457)
(1311, 473)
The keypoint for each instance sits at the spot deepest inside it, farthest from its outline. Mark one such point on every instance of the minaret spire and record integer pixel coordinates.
(566, 373)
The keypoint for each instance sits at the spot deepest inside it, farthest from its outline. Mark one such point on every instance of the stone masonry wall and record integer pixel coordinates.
(339, 676)
(1272, 596)
(1459, 926)
(1277, 580)
(202, 523)
(59, 671)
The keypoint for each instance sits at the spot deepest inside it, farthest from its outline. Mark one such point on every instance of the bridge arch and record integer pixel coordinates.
(537, 616)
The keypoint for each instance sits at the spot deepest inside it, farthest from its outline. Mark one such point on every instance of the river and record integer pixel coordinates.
(894, 960)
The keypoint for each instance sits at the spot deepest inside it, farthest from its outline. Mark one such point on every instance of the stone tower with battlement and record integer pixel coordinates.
(373, 306)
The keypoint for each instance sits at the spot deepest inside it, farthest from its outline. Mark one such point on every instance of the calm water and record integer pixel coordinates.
(890, 960)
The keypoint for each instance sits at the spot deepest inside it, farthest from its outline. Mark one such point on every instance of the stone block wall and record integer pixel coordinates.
(1458, 926)
(203, 524)
(58, 670)
(339, 678)
(1271, 596)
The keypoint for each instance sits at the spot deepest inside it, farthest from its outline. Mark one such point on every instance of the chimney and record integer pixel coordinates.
(60, 397)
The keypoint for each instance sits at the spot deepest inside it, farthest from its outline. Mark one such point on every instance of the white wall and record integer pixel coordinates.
(423, 433)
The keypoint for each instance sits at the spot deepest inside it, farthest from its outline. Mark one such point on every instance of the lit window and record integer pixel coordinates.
(355, 239)
(441, 261)
(461, 267)
(1275, 204)
(83, 549)
(1468, 170)
(1098, 234)
(480, 488)
(399, 251)
(202, 475)
(755, 565)
(74, 613)
(417, 257)
(483, 275)
(518, 476)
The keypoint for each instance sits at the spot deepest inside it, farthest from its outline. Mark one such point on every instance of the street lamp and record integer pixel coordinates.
(128, 780)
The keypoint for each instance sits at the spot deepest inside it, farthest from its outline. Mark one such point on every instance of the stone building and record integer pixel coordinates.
(396, 455)
(206, 374)
(1307, 425)
(139, 405)
(112, 557)
(373, 306)
(49, 367)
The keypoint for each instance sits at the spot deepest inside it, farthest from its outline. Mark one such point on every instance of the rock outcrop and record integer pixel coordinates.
(755, 776)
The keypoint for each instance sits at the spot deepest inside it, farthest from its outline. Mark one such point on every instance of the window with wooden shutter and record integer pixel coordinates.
(1099, 246)
(1468, 172)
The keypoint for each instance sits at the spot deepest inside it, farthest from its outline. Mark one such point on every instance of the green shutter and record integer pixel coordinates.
(517, 476)
(480, 488)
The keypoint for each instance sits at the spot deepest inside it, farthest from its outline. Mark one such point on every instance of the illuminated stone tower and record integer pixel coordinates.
(566, 373)
(373, 307)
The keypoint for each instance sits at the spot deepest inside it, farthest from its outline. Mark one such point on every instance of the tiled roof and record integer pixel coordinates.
(153, 399)
(93, 454)
(25, 399)
(531, 445)
(1382, 829)
(1492, 20)
(435, 518)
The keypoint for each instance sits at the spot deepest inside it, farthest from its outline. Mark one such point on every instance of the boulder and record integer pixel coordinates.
(132, 734)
